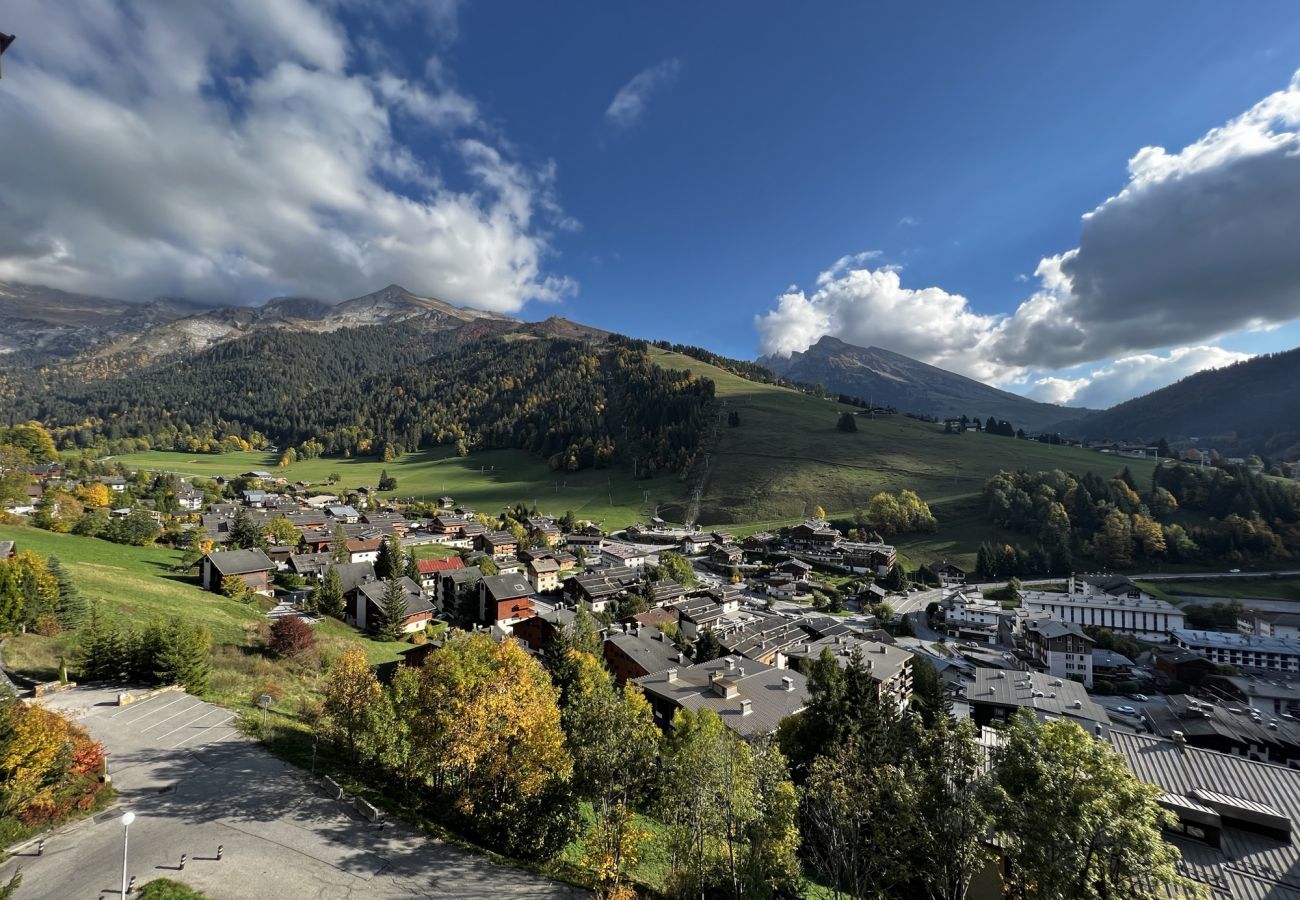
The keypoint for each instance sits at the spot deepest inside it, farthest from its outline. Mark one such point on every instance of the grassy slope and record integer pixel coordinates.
(487, 480)
(1228, 588)
(787, 457)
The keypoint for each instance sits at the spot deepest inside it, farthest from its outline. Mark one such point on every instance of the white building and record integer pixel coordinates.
(1243, 651)
(1283, 625)
(1115, 604)
(615, 554)
(970, 616)
(1060, 649)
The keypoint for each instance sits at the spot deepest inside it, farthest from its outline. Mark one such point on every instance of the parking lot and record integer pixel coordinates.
(195, 783)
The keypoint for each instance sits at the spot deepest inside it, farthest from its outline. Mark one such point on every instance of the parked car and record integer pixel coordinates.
(1127, 710)
(1140, 698)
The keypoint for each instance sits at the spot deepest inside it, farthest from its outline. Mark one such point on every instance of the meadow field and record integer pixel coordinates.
(488, 480)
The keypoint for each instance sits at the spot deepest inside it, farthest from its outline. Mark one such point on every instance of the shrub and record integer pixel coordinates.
(290, 635)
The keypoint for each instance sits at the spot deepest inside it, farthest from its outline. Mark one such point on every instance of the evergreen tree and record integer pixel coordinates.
(329, 596)
(339, 545)
(412, 567)
(180, 656)
(388, 563)
(246, 534)
(71, 607)
(392, 611)
(847, 422)
(707, 646)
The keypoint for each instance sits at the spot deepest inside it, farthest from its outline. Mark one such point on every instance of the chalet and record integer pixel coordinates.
(188, 498)
(252, 566)
(255, 499)
(310, 566)
(1107, 665)
(665, 591)
(321, 501)
(615, 554)
(44, 472)
(114, 483)
(388, 522)
(698, 613)
(544, 573)
(364, 549)
(765, 639)
(539, 631)
(949, 574)
(780, 587)
(795, 568)
(505, 600)
(729, 555)
(596, 590)
(259, 475)
(693, 544)
(758, 542)
(305, 518)
(814, 534)
(639, 650)
(446, 503)
(751, 699)
(498, 544)
(591, 544)
(1227, 729)
(658, 617)
(868, 556)
(345, 514)
(996, 695)
(368, 604)
(353, 575)
(431, 571)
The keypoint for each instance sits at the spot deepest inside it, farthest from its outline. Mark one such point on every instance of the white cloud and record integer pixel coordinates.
(1132, 376)
(630, 102)
(1197, 245)
(229, 151)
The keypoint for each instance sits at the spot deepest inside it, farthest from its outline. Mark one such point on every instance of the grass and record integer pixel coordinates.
(1228, 588)
(168, 889)
(787, 457)
(488, 480)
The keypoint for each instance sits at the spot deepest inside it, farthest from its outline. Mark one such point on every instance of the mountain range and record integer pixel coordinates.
(1247, 407)
(886, 378)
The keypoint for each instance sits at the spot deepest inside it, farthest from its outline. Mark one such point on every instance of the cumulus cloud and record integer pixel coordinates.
(630, 102)
(1132, 376)
(1197, 244)
(235, 149)
(871, 307)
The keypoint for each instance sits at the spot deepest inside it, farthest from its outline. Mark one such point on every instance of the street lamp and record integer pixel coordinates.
(127, 818)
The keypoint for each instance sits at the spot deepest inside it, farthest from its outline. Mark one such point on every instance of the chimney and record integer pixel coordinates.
(741, 671)
(746, 707)
(672, 676)
(638, 628)
(681, 657)
(788, 683)
(1180, 741)
(1097, 731)
(731, 663)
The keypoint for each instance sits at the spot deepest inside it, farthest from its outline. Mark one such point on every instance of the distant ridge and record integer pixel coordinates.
(887, 378)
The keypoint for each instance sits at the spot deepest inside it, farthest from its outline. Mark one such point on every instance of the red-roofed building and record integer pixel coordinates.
(431, 569)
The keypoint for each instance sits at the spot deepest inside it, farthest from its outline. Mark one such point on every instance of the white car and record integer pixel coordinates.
(1234, 571)
(1127, 710)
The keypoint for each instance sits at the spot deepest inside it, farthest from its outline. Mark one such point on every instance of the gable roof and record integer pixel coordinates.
(433, 566)
(506, 587)
(416, 603)
(240, 562)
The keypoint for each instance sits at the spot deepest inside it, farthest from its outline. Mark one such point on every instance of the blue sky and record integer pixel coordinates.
(477, 152)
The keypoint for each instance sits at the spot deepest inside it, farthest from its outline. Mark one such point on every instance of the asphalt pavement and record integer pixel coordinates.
(195, 783)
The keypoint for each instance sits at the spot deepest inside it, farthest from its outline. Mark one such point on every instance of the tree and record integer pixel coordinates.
(953, 794)
(350, 691)
(848, 422)
(33, 744)
(819, 513)
(1074, 821)
(236, 588)
(283, 532)
(290, 635)
(179, 652)
(614, 742)
(339, 545)
(246, 534)
(707, 646)
(391, 622)
(488, 733)
(929, 699)
(678, 568)
(386, 481)
(1115, 540)
(412, 570)
(328, 598)
(95, 494)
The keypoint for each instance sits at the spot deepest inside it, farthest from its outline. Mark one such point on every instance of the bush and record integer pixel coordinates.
(290, 635)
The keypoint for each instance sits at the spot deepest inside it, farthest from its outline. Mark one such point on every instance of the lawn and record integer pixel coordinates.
(136, 585)
(488, 480)
(787, 457)
(1228, 588)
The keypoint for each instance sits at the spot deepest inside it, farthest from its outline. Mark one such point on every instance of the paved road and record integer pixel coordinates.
(194, 782)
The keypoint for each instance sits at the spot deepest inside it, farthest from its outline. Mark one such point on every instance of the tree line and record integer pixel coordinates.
(1238, 518)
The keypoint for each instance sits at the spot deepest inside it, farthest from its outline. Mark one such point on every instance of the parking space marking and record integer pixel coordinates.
(147, 711)
(162, 722)
(201, 716)
(219, 725)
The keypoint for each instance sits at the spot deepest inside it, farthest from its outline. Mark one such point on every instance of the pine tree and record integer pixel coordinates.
(392, 611)
(245, 533)
(71, 607)
(329, 596)
(339, 545)
(412, 568)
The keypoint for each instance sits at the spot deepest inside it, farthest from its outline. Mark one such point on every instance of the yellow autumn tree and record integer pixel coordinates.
(351, 689)
(488, 723)
(30, 759)
(95, 494)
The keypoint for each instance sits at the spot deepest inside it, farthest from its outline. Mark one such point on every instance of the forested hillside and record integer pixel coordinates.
(385, 390)
(1248, 407)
